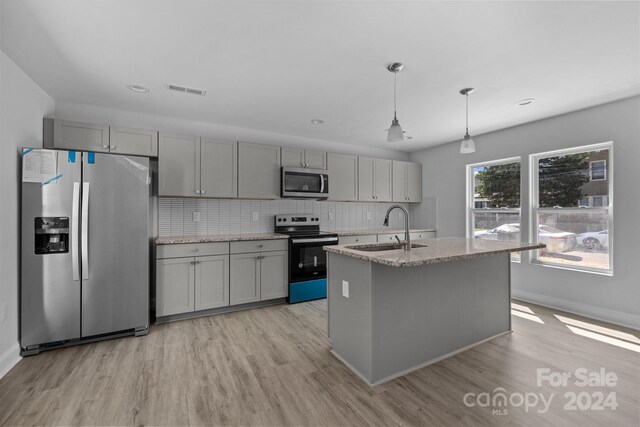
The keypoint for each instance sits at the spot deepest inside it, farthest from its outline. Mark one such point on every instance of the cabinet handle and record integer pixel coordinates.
(105, 146)
(357, 240)
(260, 246)
(113, 147)
(203, 191)
(195, 250)
(197, 191)
(192, 262)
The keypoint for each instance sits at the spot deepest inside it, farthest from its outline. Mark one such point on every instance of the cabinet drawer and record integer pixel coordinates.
(192, 249)
(352, 240)
(389, 237)
(259, 246)
(423, 235)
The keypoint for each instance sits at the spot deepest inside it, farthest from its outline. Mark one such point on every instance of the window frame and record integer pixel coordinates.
(591, 170)
(535, 208)
(470, 194)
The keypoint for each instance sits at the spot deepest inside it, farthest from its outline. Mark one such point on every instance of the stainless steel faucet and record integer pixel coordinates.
(407, 238)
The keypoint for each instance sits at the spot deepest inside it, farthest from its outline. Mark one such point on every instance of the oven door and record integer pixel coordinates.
(305, 183)
(307, 259)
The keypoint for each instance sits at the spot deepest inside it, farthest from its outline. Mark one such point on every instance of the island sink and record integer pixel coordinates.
(383, 247)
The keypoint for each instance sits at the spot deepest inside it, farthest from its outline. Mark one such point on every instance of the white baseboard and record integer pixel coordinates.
(9, 358)
(612, 316)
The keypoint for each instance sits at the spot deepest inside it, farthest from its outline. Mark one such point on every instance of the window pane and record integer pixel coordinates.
(497, 226)
(565, 181)
(497, 186)
(579, 239)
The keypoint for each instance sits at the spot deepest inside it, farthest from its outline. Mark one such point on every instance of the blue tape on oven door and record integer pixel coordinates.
(71, 158)
(91, 157)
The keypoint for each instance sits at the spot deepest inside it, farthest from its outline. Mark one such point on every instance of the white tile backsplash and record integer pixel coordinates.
(236, 216)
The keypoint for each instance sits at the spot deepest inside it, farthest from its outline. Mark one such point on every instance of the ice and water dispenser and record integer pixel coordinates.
(51, 234)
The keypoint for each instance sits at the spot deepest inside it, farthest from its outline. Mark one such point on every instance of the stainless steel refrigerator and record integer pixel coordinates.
(85, 247)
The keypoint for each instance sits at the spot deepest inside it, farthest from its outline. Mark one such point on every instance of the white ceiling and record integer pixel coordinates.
(274, 66)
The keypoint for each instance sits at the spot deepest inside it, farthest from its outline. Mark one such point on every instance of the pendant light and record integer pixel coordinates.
(395, 133)
(467, 145)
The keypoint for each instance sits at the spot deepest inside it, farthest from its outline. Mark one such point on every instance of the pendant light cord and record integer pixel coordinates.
(395, 82)
(467, 119)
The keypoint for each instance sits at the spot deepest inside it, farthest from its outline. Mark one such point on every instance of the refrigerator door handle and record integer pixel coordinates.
(75, 211)
(85, 231)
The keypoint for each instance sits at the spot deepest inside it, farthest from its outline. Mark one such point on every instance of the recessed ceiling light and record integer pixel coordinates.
(525, 101)
(138, 88)
(317, 121)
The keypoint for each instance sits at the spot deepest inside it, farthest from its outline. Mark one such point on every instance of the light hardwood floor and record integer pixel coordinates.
(272, 366)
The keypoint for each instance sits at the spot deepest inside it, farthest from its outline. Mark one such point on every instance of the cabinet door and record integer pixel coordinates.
(244, 285)
(174, 286)
(315, 159)
(218, 168)
(414, 182)
(382, 180)
(399, 181)
(258, 171)
(343, 177)
(136, 142)
(80, 136)
(366, 171)
(273, 275)
(212, 282)
(292, 157)
(179, 166)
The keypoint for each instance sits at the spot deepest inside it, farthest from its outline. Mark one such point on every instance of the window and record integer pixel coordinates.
(572, 210)
(598, 170)
(493, 190)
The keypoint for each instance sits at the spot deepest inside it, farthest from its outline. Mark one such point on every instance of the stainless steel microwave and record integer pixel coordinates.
(303, 183)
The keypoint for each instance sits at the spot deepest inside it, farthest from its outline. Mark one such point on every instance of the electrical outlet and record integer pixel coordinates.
(196, 216)
(368, 216)
(255, 216)
(4, 311)
(345, 289)
(331, 216)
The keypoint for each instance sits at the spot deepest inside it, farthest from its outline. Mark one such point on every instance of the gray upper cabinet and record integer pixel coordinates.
(80, 136)
(374, 179)
(211, 282)
(179, 166)
(343, 177)
(258, 171)
(407, 181)
(294, 157)
(218, 168)
(103, 138)
(136, 142)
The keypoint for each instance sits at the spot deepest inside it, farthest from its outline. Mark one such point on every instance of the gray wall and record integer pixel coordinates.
(22, 106)
(616, 298)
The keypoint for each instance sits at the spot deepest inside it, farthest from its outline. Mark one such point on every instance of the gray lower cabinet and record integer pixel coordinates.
(414, 235)
(211, 282)
(354, 240)
(174, 286)
(258, 171)
(258, 276)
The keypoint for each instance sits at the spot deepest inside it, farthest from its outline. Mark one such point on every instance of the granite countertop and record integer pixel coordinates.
(436, 250)
(384, 230)
(171, 240)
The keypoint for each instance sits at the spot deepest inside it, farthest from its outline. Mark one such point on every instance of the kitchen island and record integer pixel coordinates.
(392, 311)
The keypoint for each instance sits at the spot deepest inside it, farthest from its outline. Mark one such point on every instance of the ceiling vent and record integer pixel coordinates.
(183, 89)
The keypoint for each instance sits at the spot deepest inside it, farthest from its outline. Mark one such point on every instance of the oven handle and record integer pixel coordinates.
(325, 239)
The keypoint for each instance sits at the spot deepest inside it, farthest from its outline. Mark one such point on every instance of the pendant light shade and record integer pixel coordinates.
(395, 133)
(467, 145)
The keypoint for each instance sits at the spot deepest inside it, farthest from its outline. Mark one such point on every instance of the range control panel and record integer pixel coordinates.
(297, 219)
